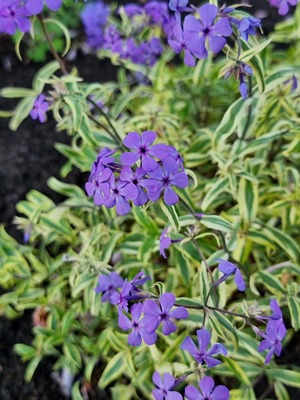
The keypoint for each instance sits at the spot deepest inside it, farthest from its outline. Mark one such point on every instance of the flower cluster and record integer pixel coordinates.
(127, 47)
(143, 174)
(93, 17)
(145, 315)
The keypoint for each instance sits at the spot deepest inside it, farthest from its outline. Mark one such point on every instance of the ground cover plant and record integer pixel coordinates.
(174, 272)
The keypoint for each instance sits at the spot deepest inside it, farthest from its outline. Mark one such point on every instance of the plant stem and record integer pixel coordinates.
(52, 49)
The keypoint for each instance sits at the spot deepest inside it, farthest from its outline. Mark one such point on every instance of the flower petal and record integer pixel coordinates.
(132, 140)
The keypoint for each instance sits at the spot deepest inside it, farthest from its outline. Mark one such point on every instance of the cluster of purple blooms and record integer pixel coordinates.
(15, 14)
(142, 314)
(154, 13)
(143, 174)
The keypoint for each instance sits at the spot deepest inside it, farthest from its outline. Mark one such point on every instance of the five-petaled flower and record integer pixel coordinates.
(202, 354)
(275, 332)
(208, 392)
(165, 387)
(161, 313)
(40, 108)
(137, 327)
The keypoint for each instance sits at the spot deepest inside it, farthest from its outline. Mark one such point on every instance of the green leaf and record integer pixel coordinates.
(287, 377)
(284, 241)
(294, 308)
(248, 200)
(31, 367)
(216, 222)
(237, 371)
(271, 282)
(64, 30)
(21, 112)
(17, 92)
(43, 74)
(26, 352)
(143, 219)
(171, 214)
(214, 192)
(76, 394)
(280, 391)
(228, 330)
(115, 368)
(72, 353)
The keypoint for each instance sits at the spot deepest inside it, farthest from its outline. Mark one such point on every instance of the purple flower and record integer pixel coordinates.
(40, 108)
(120, 193)
(128, 176)
(157, 11)
(283, 5)
(160, 313)
(276, 311)
(141, 144)
(182, 41)
(133, 9)
(164, 242)
(240, 71)
(202, 354)
(208, 392)
(136, 324)
(165, 387)
(93, 17)
(108, 285)
(36, 6)
(121, 298)
(98, 185)
(179, 6)
(104, 157)
(138, 280)
(13, 16)
(231, 269)
(162, 180)
(247, 26)
(199, 31)
(275, 332)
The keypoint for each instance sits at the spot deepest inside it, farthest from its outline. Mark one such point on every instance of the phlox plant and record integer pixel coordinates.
(174, 271)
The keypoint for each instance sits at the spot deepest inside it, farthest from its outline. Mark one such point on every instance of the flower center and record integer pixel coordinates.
(135, 181)
(166, 180)
(143, 149)
(116, 191)
(206, 31)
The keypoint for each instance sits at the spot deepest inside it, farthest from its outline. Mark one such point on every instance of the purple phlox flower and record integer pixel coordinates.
(121, 298)
(36, 6)
(247, 26)
(164, 242)
(275, 332)
(120, 193)
(13, 16)
(283, 5)
(165, 387)
(173, 152)
(134, 177)
(179, 6)
(151, 51)
(136, 324)
(157, 12)
(132, 9)
(111, 39)
(293, 82)
(93, 17)
(208, 392)
(276, 311)
(40, 108)
(108, 285)
(157, 313)
(231, 269)
(162, 179)
(199, 31)
(98, 185)
(104, 157)
(202, 354)
(138, 280)
(143, 150)
(180, 41)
